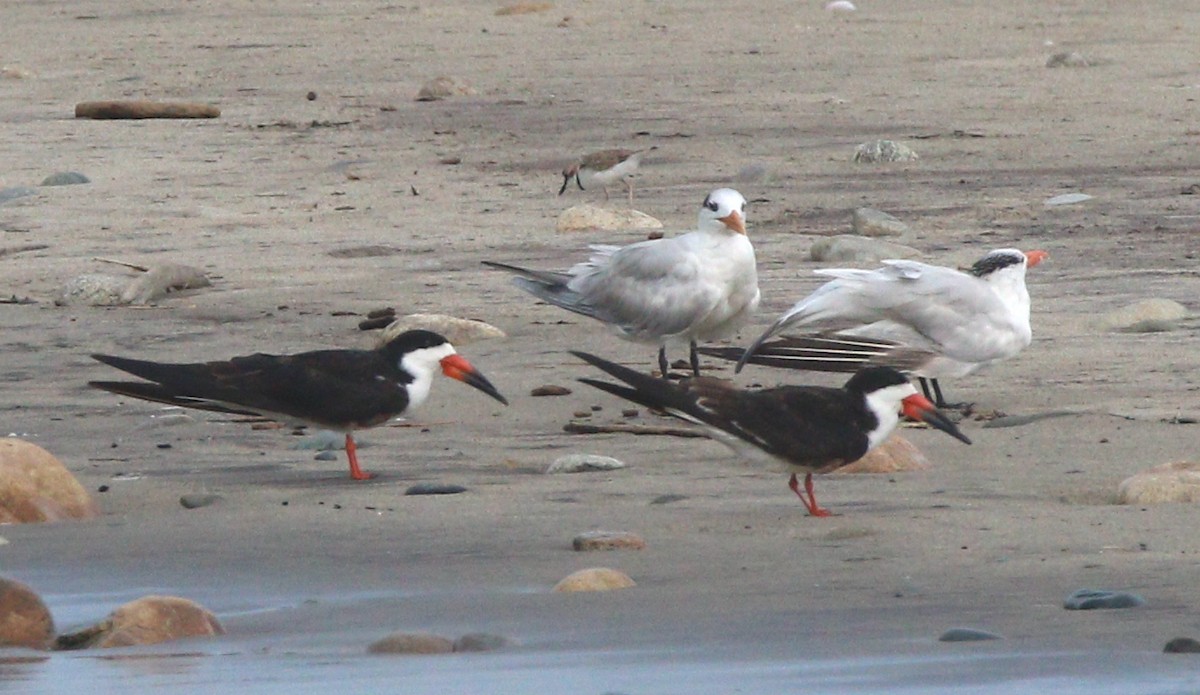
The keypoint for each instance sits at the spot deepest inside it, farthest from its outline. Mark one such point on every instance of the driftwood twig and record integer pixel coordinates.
(585, 428)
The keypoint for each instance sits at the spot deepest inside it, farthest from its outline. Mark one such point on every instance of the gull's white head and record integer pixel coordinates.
(724, 208)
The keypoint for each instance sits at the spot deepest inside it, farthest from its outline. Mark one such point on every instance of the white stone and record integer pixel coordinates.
(584, 463)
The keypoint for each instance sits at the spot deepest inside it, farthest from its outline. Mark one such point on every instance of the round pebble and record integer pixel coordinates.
(967, 634)
(594, 579)
(550, 390)
(65, 178)
(195, 501)
(584, 463)
(1090, 599)
(1182, 645)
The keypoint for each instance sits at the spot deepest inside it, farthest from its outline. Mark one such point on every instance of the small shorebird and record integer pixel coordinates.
(809, 429)
(931, 320)
(604, 168)
(700, 285)
(340, 390)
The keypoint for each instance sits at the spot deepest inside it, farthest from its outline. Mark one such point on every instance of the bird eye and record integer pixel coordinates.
(711, 204)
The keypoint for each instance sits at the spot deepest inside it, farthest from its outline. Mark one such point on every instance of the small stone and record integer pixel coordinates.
(198, 500)
(434, 489)
(668, 499)
(147, 620)
(14, 192)
(875, 223)
(587, 217)
(311, 96)
(895, 455)
(1178, 481)
(1089, 599)
(883, 151)
(1158, 311)
(65, 178)
(482, 642)
(608, 540)
(326, 456)
(458, 331)
(37, 487)
(594, 579)
(443, 88)
(1182, 645)
(411, 643)
(92, 289)
(967, 634)
(550, 390)
(849, 248)
(840, 6)
(1067, 199)
(24, 619)
(584, 463)
(1069, 59)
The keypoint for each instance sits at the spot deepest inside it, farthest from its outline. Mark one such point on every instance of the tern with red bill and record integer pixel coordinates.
(340, 390)
(701, 285)
(809, 429)
(931, 320)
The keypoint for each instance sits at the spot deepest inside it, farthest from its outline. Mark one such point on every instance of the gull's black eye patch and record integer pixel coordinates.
(711, 204)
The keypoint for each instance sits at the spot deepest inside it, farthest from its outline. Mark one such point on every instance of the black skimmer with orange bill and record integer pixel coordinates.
(701, 285)
(605, 168)
(809, 429)
(340, 390)
(931, 320)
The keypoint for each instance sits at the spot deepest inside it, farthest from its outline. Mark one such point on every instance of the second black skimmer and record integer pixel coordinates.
(809, 429)
(931, 320)
(340, 390)
(701, 285)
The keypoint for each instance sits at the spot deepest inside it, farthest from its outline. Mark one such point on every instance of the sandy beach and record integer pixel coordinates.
(309, 213)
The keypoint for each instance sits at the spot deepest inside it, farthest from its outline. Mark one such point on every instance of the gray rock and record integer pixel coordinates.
(1090, 599)
(883, 151)
(848, 248)
(875, 223)
(1068, 59)
(14, 192)
(1067, 199)
(326, 456)
(411, 643)
(482, 642)
(967, 634)
(1141, 316)
(434, 489)
(1182, 645)
(587, 217)
(65, 178)
(197, 500)
(94, 289)
(584, 463)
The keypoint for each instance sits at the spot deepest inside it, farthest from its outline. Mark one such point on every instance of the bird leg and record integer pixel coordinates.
(629, 185)
(810, 502)
(695, 358)
(352, 454)
(663, 366)
(939, 401)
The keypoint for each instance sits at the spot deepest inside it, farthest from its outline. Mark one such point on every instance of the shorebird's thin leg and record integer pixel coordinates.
(663, 367)
(695, 358)
(352, 454)
(810, 502)
(629, 185)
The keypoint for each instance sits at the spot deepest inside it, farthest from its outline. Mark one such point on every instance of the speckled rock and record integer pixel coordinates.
(411, 643)
(1090, 599)
(457, 330)
(1146, 316)
(36, 487)
(895, 455)
(884, 151)
(587, 217)
(850, 248)
(65, 178)
(608, 540)
(584, 463)
(594, 579)
(443, 88)
(24, 619)
(1171, 482)
(147, 620)
(870, 222)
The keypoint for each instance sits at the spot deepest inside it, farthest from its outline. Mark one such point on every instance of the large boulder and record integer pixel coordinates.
(1170, 482)
(24, 619)
(147, 620)
(36, 487)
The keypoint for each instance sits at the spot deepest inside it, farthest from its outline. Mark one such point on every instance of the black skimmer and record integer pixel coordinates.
(809, 429)
(700, 285)
(340, 390)
(931, 320)
(605, 168)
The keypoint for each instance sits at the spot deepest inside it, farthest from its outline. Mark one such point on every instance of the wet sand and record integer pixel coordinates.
(277, 198)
